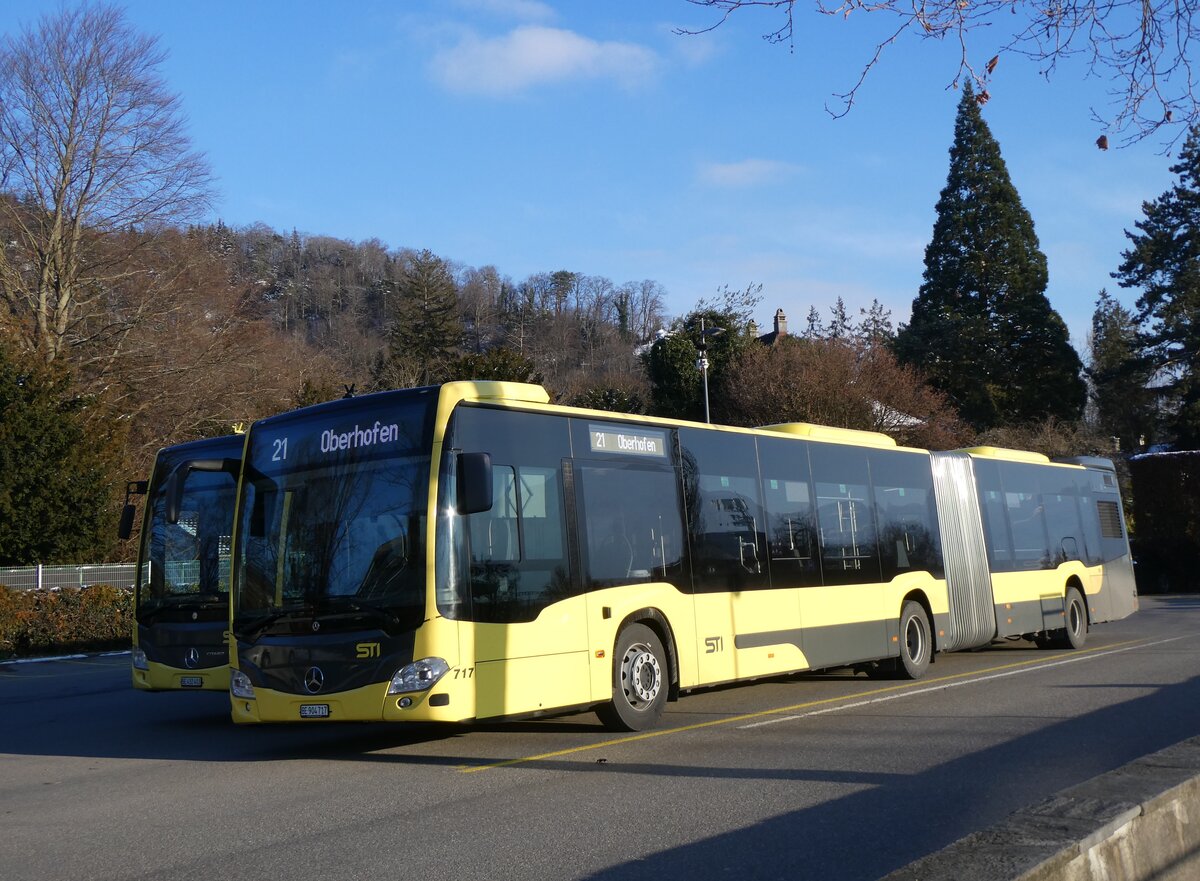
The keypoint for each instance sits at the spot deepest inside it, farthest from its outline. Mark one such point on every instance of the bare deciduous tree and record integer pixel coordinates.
(833, 382)
(92, 144)
(195, 359)
(1143, 48)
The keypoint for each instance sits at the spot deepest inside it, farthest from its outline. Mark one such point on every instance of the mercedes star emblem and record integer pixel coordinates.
(191, 659)
(314, 680)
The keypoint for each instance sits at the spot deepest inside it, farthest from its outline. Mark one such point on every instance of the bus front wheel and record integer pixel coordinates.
(916, 641)
(639, 681)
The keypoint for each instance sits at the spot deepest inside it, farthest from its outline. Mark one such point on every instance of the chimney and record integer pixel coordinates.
(780, 323)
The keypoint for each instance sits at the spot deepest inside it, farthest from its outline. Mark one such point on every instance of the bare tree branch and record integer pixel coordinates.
(91, 144)
(1142, 48)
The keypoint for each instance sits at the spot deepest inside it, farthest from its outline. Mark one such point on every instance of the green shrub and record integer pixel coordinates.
(10, 605)
(47, 622)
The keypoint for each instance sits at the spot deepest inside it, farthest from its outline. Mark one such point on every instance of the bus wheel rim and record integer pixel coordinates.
(642, 675)
(914, 639)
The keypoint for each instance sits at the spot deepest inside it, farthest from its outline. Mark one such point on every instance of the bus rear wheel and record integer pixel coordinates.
(639, 681)
(1074, 635)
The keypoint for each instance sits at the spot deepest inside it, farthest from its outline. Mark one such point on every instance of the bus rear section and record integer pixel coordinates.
(1057, 547)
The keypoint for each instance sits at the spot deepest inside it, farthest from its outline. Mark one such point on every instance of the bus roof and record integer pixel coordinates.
(829, 433)
(534, 397)
(1098, 462)
(1007, 455)
(484, 390)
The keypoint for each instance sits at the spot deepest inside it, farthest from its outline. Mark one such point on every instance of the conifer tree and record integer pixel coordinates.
(981, 326)
(875, 328)
(57, 474)
(425, 327)
(1120, 377)
(813, 329)
(1164, 263)
(495, 364)
(840, 326)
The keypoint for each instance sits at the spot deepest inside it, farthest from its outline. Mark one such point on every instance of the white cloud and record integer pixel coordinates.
(533, 55)
(746, 173)
(693, 49)
(522, 10)
(696, 51)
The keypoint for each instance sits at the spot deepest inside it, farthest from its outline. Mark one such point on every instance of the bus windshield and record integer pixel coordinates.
(186, 564)
(331, 527)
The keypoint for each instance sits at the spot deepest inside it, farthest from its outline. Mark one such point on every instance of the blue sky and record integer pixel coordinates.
(537, 136)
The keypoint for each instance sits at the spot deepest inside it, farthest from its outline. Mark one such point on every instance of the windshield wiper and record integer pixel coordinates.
(256, 627)
(352, 604)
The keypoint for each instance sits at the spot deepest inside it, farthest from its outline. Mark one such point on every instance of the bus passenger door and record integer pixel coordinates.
(846, 619)
(744, 628)
(631, 558)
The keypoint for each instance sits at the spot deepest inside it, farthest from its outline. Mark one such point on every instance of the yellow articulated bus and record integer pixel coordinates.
(181, 606)
(471, 551)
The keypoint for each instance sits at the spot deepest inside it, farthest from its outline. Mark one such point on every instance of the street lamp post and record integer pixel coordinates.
(702, 361)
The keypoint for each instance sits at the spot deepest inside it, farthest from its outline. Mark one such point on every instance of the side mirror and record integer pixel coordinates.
(174, 487)
(474, 483)
(125, 526)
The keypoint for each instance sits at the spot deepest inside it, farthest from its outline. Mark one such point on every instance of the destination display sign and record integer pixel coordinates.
(632, 442)
(353, 431)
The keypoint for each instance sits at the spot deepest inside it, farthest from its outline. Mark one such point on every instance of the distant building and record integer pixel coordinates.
(780, 331)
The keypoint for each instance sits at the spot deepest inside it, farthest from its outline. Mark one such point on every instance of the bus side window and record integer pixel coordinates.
(494, 534)
(726, 524)
(907, 514)
(791, 520)
(845, 515)
(632, 526)
(1026, 516)
(1062, 515)
(541, 515)
(995, 517)
(518, 560)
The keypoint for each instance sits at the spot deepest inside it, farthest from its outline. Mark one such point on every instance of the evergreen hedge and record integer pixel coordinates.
(49, 622)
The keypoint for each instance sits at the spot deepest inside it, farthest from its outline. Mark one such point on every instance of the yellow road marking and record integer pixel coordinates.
(759, 714)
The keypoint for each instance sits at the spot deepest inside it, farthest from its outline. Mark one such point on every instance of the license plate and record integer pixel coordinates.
(191, 681)
(314, 711)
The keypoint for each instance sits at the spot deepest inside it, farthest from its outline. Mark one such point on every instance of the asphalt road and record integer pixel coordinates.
(820, 776)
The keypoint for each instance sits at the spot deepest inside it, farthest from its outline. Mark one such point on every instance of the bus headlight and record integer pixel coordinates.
(139, 659)
(239, 685)
(420, 675)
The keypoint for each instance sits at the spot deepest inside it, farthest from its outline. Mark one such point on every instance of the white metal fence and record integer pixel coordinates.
(55, 577)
